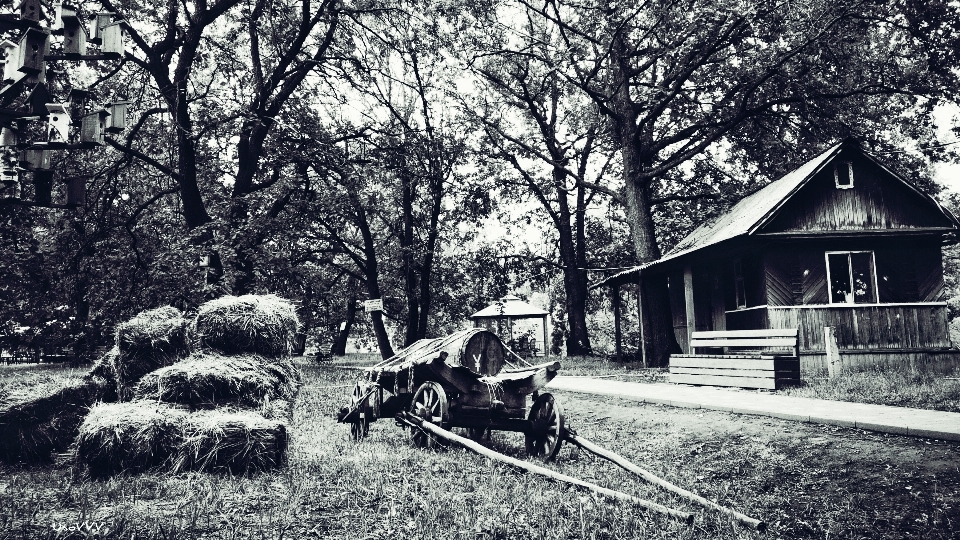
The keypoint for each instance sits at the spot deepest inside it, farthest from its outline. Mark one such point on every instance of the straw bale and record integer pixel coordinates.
(206, 380)
(153, 339)
(104, 373)
(129, 437)
(257, 324)
(235, 442)
(34, 429)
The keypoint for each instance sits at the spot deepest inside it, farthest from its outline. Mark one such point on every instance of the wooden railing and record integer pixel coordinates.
(873, 326)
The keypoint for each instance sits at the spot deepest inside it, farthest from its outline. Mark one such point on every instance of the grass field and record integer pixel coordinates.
(806, 481)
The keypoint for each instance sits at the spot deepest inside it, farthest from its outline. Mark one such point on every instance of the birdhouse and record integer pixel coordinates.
(43, 187)
(56, 24)
(77, 99)
(74, 34)
(8, 137)
(30, 51)
(30, 10)
(97, 23)
(94, 126)
(66, 12)
(9, 175)
(112, 39)
(58, 123)
(9, 188)
(117, 121)
(34, 159)
(37, 100)
(9, 51)
(76, 191)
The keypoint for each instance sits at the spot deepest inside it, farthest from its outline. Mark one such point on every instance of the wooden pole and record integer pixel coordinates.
(689, 306)
(618, 336)
(438, 432)
(642, 321)
(546, 344)
(653, 479)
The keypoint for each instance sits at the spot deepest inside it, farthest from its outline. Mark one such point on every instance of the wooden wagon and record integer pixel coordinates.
(466, 380)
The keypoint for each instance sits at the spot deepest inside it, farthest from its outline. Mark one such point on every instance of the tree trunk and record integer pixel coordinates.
(407, 248)
(194, 211)
(659, 340)
(574, 274)
(349, 317)
(426, 269)
(656, 319)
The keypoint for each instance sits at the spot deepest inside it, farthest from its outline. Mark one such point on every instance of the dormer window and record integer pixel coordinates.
(843, 174)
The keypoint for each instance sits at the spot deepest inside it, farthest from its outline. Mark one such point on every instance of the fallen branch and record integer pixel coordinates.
(653, 479)
(413, 421)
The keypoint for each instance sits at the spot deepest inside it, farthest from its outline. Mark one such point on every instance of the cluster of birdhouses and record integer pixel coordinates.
(33, 123)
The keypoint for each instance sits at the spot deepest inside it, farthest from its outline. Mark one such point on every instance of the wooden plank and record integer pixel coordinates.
(747, 356)
(765, 333)
(718, 380)
(751, 373)
(770, 364)
(744, 342)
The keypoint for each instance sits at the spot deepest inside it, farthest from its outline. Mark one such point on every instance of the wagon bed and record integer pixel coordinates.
(460, 381)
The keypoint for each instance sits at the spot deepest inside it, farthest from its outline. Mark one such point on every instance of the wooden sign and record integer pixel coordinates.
(373, 305)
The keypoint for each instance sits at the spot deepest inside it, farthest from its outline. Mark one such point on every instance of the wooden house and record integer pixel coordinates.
(842, 242)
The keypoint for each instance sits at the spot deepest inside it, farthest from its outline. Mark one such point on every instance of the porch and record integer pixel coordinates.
(867, 334)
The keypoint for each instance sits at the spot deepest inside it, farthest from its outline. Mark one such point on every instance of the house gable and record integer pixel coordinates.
(873, 200)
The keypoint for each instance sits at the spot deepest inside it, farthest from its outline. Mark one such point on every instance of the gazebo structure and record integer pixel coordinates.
(500, 316)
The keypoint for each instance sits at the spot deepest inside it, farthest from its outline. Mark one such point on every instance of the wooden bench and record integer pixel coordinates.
(768, 359)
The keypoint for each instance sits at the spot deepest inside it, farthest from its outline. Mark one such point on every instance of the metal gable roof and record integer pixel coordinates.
(745, 216)
(751, 212)
(509, 306)
(754, 211)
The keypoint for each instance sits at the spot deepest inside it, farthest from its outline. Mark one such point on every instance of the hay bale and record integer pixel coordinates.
(153, 339)
(104, 373)
(129, 437)
(33, 430)
(256, 324)
(206, 380)
(235, 442)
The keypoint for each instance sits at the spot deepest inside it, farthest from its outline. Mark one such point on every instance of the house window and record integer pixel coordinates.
(852, 277)
(843, 174)
(738, 284)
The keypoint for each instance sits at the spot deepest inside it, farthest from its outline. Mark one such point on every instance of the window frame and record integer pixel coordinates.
(875, 298)
(836, 174)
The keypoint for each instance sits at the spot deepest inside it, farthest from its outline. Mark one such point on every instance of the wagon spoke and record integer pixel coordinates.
(430, 404)
(546, 427)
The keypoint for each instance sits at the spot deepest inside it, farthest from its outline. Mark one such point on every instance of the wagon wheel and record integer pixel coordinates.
(361, 426)
(430, 404)
(546, 435)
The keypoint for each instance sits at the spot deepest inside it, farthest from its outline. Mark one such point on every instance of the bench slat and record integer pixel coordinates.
(718, 380)
(744, 342)
(775, 332)
(784, 363)
(759, 373)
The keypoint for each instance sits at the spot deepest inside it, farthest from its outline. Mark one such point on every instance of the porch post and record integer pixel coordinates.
(546, 345)
(689, 305)
(641, 321)
(615, 291)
